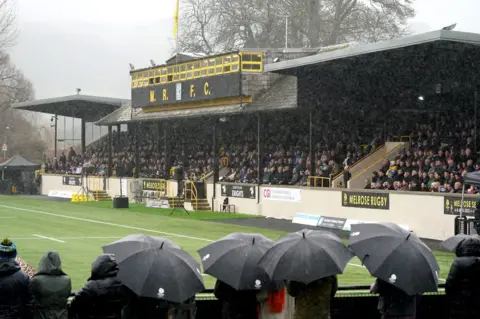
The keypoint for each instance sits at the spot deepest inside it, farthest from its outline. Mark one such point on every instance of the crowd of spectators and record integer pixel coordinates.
(441, 153)
(286, 157)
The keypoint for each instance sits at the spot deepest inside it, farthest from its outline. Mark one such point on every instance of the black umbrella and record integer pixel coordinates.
(451, 243)
(234, 260)
(165, 273)
(131, 244)
(306, 256)
(395, 255)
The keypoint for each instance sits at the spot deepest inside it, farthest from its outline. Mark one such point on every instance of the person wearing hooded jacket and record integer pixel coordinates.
(463, 282)
(51, 288)
(393, 303)
(16, 300)
(103, 295)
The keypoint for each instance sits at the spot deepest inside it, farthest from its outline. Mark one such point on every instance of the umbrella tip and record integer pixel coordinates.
(161, 246)
(253, 241)
(303, 234)
(408, 236)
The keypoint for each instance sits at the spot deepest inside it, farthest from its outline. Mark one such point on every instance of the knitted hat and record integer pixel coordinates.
(8, 250)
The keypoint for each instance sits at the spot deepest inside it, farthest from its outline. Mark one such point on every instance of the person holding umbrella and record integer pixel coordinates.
(233, 260)
(463, 282)
(168, 277)
(383, 248)
(103, 295)
(309, 260)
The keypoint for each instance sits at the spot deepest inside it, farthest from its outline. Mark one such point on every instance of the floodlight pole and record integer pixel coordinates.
(286, 32)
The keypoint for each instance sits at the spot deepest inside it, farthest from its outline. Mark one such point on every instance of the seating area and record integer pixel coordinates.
(441, 154)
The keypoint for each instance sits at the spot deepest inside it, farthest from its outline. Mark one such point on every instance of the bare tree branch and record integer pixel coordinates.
(220, 25)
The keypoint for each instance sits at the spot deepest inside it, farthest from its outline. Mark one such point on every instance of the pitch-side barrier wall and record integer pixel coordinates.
(430, 215)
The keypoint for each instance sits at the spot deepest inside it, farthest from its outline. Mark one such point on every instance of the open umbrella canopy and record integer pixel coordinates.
(452, 242)
(166, 273)
(132, 244)
(306, 256)
(234, 260)
(396, 256)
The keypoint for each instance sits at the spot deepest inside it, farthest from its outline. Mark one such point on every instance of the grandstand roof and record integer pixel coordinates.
(291, 66)
(88, 107)
(281, 96)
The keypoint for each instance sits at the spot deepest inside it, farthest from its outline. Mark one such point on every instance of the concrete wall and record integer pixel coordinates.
(421, 212)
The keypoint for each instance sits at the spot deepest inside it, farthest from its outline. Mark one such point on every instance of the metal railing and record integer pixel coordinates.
(403, 138)
(192, 193)
(324, 181)
(334, 177)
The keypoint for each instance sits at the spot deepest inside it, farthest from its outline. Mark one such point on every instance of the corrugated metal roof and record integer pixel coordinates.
(439, 35)
(281, 96)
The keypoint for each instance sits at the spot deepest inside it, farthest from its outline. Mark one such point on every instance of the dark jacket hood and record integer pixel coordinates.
(103, 267)
(8, 267)
(50, 264)
(469, 247)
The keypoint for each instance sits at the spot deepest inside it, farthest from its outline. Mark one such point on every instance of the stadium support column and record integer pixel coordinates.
(136, 128)
(475, 113)
(312, 144)
(260, 142)
(110, 162)
(215, 161)
(166, 148)
(83, 135)
(159, 137)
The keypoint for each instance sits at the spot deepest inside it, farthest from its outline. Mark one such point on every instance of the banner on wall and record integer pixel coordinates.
(306, 219)
(453, 206)
(72, 180)
(293, 195)
(350, 222)
(332, 222)
(366, 200)
(239, 191)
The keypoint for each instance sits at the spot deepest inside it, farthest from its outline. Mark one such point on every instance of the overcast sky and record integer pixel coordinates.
(65, 44)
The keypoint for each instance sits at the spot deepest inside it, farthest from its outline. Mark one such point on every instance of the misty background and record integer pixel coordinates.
(88, 44)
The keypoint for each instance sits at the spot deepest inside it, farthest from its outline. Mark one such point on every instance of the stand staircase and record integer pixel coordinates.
(101, 196)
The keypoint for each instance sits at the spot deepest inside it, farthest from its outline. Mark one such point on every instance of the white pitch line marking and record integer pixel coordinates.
(49, 238)
(123, 226)
(356, 265)
(106, 223)
(65, 238)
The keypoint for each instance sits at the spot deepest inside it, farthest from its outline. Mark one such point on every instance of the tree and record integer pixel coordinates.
(210, 26)
(22, 135)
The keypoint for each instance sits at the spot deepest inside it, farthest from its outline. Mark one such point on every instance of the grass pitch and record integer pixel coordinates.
(77, 232)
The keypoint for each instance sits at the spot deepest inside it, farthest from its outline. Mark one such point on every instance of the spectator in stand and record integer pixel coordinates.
(51, 288)
(16, 299)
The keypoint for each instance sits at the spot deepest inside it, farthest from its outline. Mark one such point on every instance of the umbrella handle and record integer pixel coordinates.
(365, 257)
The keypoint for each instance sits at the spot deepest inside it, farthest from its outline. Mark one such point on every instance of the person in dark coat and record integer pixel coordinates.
(236, 304)
(463, 282)
(16, 299)
(393, 303)
(146, 308)
(313, 300)
(103, 295)
(51, 288)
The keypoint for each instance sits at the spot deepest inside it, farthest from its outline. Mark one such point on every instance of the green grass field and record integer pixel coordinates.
(77, 232)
